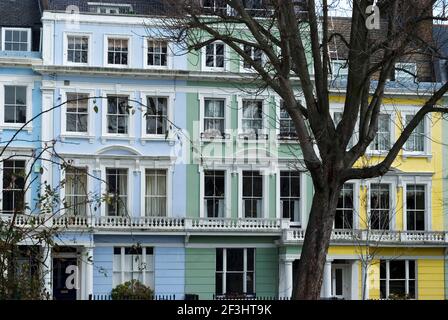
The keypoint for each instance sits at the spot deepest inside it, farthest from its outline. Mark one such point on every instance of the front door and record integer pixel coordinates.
(338, 282)
(61, 272)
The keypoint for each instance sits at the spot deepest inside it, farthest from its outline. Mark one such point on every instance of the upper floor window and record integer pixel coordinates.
(117, 51)
(252, 117)
(290, 196)
(215, 55)
(253, 4)
(398, 279)
(78, 49)
(76, 191)
(155, 193)
(13, 195)
(117, 190)
(133, 263)
(157, 53)
(416, 141)
(214, 119)
(345, 209)
(235, 272)
(15, 104)
(382, 140)
(214, 194)
(287, 127)
(117, 114)
(156, 115)
(16, 39)
(339, 68)
(110, 8)
(415, 207)
(337, 118)
(252, 194)
(77, 114)
(405, 71)
(380, 206)
(255, 54)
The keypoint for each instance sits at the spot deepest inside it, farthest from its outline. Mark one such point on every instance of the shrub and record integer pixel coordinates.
(132, 290)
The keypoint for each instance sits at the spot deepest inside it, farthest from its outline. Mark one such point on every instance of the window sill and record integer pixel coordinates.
(67, 135)
(158, 138)
(148, 67)
(253, 138)
(117, 66)
(417, 155)
(376, 153)
(105, 138)
(8, 126)
(209, 69)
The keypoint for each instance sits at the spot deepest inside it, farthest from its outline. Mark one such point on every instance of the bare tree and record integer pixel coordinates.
(295, 44)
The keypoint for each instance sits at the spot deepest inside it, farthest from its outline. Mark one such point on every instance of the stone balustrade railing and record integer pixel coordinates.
(372, 237)
(280, 227)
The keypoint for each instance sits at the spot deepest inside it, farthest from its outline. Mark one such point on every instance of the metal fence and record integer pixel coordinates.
(109, 297)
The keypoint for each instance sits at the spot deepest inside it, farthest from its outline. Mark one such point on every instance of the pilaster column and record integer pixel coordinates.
(88, 272)
(326, 285)
(47, 271)
(285, 278)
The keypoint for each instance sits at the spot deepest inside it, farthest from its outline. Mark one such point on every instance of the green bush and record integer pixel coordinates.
(132, 290)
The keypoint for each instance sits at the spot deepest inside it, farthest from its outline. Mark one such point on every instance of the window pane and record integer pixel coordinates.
(235, 259)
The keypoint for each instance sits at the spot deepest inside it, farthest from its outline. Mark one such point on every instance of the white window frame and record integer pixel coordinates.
(339, 108)
(169, 54)
(106, 50)
(227, 190)
(28, 30)
(226, 56)
(418, 180)
(302, 199)
(117, 136)
(29, 102)
(91, 115)
(355, 209)
(251, 69)
(227, 113)
(17, 156)
(427, 142)
(130, 187)
(62, 192)
(245, 271)
(265, 101)
(392, 182)
(89, 49)
(169, 187)
(144, 262)
(170, 96)
(265, 189)
(392, 116)
(406, 273)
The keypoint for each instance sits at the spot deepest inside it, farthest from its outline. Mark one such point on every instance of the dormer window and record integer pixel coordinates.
(16, 39)
(110, 8)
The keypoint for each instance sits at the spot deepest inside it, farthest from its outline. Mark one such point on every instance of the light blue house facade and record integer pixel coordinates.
(116, 118)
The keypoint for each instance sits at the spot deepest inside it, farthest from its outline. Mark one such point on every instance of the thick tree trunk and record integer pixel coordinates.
(317, 239)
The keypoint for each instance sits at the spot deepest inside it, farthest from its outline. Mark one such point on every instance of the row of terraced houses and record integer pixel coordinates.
(205, 170)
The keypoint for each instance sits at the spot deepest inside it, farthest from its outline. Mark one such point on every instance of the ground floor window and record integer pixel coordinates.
(133, 263)
(397, 279)
(235, 272)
